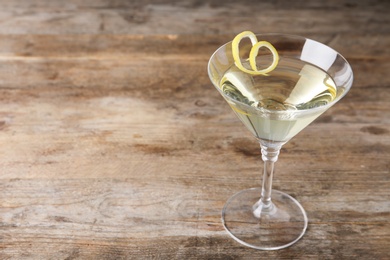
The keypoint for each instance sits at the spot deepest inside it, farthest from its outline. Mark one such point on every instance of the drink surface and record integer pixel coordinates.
(293, 85)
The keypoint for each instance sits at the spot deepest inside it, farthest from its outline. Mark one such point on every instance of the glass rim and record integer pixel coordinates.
(262, 110)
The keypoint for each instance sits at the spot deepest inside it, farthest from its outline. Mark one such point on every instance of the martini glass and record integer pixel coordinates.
(310, 77)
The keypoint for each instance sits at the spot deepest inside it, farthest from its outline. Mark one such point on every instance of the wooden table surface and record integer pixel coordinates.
(115, 145)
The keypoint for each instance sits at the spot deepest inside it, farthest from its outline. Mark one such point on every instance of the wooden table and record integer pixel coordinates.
(115, 145)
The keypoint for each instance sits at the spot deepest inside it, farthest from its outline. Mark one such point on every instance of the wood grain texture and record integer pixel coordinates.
(115, 145)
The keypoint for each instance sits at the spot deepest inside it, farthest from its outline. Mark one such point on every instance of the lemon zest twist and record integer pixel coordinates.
(256, 45)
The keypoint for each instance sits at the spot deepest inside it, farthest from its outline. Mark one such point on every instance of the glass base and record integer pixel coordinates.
(258, 226)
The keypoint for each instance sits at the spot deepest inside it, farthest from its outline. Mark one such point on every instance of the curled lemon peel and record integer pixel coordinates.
(256, 45)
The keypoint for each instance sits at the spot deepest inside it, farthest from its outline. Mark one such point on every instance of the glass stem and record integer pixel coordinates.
(270, 153)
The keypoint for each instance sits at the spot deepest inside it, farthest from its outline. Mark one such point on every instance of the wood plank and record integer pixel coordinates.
(354, 45)
(53, 54)
(131, 215)
(197, 17)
